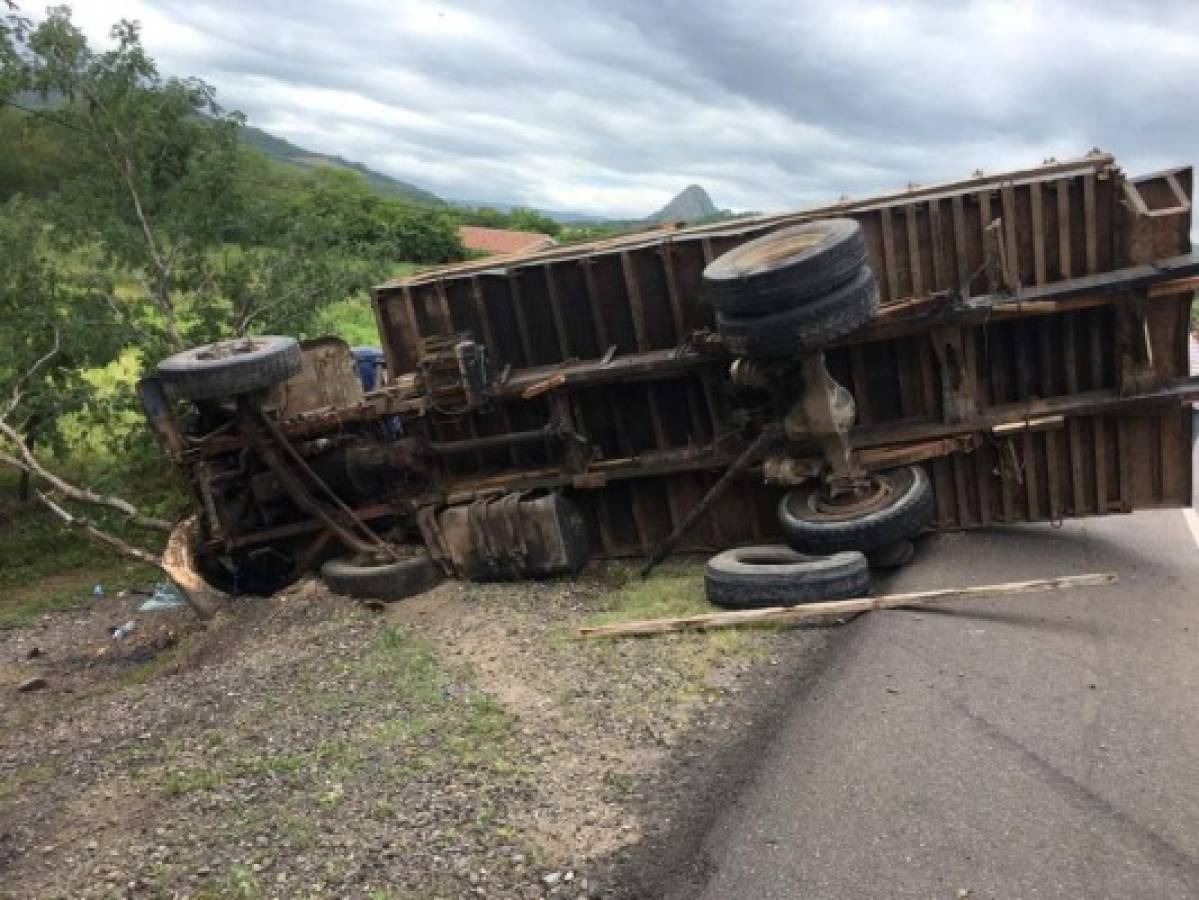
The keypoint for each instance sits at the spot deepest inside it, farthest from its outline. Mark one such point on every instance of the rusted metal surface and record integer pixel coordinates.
(617, 334)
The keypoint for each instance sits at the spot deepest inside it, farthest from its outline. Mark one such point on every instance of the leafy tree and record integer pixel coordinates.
(522, 219)
(56, 327)
(519, 219)
(155, 160)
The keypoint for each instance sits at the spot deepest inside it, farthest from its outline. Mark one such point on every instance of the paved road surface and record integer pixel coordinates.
(1038, 747)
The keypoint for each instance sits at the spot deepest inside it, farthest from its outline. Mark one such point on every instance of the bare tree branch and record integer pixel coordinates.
(97, 535)
(175, 561)
(15, 398)
(124, 164)
(29, 463)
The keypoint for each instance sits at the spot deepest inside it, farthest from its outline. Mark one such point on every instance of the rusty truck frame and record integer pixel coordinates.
(1029, 352)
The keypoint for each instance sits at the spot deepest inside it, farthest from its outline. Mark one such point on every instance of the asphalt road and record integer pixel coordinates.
(1042, 746)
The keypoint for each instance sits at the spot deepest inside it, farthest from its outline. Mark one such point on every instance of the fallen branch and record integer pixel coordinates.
(28, 463)
(175, 561)
(96, 534)
(775, 615)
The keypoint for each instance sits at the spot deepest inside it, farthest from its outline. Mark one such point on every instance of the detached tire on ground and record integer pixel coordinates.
(900, 509)
(774, 575)
(802, 328)
(230, 368)
(785, 268)
(381, 581)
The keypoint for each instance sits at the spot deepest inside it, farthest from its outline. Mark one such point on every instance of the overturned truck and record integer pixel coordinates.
(1007, 348)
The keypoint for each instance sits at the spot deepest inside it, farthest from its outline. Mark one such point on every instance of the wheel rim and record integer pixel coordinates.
(229, 349)
(773, 252)
(878, 491)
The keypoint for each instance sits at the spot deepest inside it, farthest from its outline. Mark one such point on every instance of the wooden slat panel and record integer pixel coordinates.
(940, 280)
(488, 335)
(636, 305)
(408, 310)
(1074, 436)
(959, 245)
(984, 477)
(522, 324)
(551, 287)
(914, 258)
(1063, 228)
(1008, 194)
(1090, 223)
(1032, 487)
(443, 307)
(593, 302)
(889, 255)
(1038, 233)
(666, 252)
(858, 371)
(1045, 363)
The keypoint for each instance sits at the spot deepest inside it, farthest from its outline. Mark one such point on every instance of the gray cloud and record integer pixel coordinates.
(611, 107)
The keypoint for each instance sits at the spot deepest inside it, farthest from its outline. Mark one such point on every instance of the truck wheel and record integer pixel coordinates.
(785, 268)
(801, 328)
(897, 508)
(774, 575)
(381, 581)
(229, 368)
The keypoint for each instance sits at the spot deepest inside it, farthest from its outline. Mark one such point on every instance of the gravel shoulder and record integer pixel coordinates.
(462, 743)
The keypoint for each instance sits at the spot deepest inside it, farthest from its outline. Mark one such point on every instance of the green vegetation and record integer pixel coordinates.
(518, 219)
(136, 219)
(675, 589)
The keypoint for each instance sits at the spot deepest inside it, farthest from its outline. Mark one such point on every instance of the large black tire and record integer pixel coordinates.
(774, 575)
(785, 268)
(902, 512)
(802, 328)
(386, 581)
(229, 368)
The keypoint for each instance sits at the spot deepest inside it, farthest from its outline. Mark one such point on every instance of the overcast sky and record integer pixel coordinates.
(611, 107)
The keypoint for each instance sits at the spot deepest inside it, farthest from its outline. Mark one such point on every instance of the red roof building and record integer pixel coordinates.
(496, 241)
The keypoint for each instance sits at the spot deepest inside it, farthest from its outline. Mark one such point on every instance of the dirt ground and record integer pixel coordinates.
(458, 744)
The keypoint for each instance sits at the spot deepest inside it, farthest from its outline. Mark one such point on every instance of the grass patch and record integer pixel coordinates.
(676, 589)
(407, 664)
(25, 777)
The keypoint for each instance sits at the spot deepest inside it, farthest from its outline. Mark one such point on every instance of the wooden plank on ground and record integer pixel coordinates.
(775, 615)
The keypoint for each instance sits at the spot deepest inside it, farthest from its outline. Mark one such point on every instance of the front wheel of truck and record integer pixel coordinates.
(229, 368)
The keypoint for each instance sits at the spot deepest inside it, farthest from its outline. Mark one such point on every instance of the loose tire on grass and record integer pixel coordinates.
(802, 328)
(785, 268)
(904, 509)
(381, 581)
(230, 368)
(774, 575)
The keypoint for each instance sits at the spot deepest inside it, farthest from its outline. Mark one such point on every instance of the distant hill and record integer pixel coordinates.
(692, 204)
(565, 217)
(288, 153)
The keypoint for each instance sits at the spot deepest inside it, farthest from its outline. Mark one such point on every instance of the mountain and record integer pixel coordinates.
(690, 205)
(288, 153)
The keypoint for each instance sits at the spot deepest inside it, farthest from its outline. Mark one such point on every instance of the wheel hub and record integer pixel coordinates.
(853, 496)
(226, 349)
